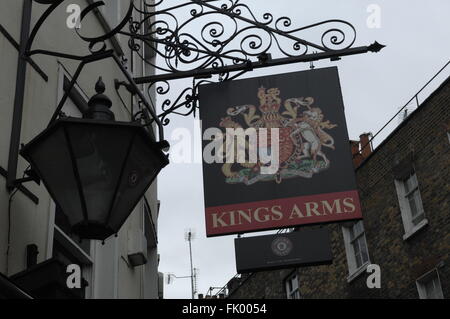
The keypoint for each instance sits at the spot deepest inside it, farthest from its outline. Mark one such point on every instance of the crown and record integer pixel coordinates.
(270, 100)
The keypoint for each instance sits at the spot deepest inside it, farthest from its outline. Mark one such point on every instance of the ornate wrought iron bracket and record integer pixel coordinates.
(199, 39)
(204, 40)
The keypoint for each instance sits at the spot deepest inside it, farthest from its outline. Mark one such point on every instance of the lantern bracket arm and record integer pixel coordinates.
(21, 181)
(16, 45)
(28, 176)
(102, 55)
(96, 54)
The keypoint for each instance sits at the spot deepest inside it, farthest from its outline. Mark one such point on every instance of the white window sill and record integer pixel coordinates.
(415, 229)
(72, 247)
(358, 272)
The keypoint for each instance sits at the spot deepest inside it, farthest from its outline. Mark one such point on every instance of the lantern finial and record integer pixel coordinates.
(100, 86)
(100, 104)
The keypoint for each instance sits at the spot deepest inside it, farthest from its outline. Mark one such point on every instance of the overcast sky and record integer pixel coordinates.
(374, 86)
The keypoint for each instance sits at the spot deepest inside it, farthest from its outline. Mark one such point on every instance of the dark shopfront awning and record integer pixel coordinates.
(46, 280)
(9, 290)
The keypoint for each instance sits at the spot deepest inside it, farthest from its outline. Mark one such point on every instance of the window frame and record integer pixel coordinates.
(353, 269)
(421, 284)
(77, 96)
(355, 239)
(294, 293)
(414, 192)
(148, 223)
(63, 239)
(403, 194)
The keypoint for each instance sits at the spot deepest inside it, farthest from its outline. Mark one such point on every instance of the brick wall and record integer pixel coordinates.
(423, 136)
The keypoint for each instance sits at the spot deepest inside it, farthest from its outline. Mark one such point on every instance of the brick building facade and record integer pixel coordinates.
(405, 196)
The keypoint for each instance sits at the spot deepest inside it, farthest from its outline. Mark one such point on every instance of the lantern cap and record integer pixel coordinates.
(100, 104)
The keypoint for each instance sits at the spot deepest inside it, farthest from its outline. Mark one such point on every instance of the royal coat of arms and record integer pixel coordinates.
(303, 142)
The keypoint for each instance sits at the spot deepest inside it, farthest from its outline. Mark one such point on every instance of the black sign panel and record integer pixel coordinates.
(315, 181)
(297, 249)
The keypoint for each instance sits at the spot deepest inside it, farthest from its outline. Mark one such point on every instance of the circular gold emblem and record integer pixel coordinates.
(282, 246)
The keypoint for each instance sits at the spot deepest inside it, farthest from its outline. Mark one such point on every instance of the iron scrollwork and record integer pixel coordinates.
(228, 32)
(208, 41)
(213, 34)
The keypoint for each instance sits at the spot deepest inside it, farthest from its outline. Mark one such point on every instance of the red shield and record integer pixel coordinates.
(286, 145)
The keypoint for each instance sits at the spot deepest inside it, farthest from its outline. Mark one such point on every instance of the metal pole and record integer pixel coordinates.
(19, 96)
(199, 73)
(192, 267)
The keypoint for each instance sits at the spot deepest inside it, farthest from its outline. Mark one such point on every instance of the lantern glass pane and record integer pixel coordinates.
(111, 163)
(142, 166)
(99, 151)
(50, 156)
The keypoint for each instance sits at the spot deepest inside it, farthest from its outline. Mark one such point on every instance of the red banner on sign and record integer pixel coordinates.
(282, 213)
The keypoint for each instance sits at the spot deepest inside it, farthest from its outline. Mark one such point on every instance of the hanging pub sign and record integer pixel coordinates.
(276, 153)
(308, 247)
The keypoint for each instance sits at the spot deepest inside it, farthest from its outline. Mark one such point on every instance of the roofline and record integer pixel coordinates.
(401, 125)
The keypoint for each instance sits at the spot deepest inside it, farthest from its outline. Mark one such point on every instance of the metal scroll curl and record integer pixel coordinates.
(185, 102)
(215, 35)
(96, 44)
(94, 41)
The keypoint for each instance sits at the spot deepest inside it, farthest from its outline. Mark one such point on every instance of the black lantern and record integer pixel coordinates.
(96, 169)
